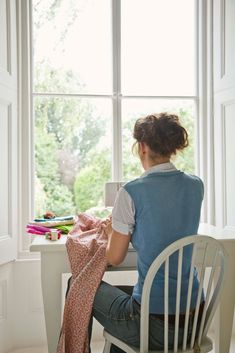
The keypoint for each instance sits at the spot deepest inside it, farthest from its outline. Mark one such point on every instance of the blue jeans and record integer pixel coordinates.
(116, 310)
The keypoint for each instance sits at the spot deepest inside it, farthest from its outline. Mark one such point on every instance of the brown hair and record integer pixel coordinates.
(162, 132)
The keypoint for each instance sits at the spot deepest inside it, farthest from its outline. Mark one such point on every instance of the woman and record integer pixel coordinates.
(151, 212)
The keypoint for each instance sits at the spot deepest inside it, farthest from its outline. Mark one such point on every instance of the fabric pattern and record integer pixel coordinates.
(86, 247)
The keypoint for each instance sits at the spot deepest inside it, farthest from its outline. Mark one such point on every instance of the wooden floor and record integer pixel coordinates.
(97, 347)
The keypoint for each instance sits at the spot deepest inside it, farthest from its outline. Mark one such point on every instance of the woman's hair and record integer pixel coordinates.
(162, 132)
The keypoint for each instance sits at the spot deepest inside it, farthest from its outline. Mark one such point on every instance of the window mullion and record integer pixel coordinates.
(117, 135)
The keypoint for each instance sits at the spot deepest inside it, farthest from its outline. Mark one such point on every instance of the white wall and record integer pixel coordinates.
(29, 326)
(6, 312)
(8, 168)
(8, 132)
(21, 307)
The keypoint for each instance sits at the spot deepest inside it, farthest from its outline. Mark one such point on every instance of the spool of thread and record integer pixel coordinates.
(54, 235)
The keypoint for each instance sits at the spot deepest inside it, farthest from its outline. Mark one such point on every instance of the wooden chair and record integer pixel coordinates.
(206, 253)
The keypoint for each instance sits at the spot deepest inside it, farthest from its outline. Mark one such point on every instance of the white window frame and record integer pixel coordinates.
(203, 124)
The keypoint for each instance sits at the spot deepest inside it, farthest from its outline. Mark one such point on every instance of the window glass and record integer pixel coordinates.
(132, 109)
(72, 46)
(73, 148)
(158, 47)
(72, 56)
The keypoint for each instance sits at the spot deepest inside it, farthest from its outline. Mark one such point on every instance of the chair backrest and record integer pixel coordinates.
(206, 252)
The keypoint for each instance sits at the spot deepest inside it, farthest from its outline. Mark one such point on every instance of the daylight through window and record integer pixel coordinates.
(98, 65)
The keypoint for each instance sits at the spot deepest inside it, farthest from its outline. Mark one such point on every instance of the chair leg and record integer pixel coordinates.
(107, 346)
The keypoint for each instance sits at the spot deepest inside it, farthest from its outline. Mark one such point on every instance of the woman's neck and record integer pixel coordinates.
(149, 163)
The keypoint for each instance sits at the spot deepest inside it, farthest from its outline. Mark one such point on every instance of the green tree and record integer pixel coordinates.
(50, 193)
(131, 164)
(89, 183)
(66, 130)
(183, 160)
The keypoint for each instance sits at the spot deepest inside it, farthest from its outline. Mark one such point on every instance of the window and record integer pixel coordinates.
(97, 67)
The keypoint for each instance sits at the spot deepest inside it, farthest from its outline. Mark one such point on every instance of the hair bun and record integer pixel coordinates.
(162, 132)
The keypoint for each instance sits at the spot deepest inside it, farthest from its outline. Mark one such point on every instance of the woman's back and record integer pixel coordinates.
(163, 203)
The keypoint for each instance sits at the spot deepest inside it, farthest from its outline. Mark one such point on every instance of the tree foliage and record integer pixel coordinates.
(66, 130)
(71, 164)
(89, 183)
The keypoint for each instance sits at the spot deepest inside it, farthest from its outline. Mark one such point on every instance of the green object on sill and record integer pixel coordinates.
(64, 229)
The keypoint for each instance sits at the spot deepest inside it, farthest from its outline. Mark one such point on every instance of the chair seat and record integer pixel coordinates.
(206, 345)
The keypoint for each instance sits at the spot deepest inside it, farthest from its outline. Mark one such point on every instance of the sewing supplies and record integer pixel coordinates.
(53, 235)
(50, 233)
(47, 226)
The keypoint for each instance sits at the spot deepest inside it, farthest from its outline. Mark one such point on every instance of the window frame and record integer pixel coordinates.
(202, 10)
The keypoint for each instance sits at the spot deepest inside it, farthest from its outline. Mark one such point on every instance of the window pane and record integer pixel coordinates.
(72, 46)
(72, 153)
(158, 47)
(132, 109)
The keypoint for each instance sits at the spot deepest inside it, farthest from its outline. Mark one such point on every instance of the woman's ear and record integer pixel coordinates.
(143, 153)
(142, 147)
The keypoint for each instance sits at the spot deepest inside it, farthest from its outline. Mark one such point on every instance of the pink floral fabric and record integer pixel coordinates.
(86, 246)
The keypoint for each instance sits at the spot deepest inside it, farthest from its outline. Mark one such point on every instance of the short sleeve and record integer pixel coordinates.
(123, 215)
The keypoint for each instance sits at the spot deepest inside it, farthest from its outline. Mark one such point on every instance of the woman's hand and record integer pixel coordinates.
(108, 228)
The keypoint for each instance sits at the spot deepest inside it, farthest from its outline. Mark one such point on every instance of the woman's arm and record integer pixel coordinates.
(117, 247)
(120, 228)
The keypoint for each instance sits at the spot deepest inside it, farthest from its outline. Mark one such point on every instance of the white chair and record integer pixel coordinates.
(206, 253)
